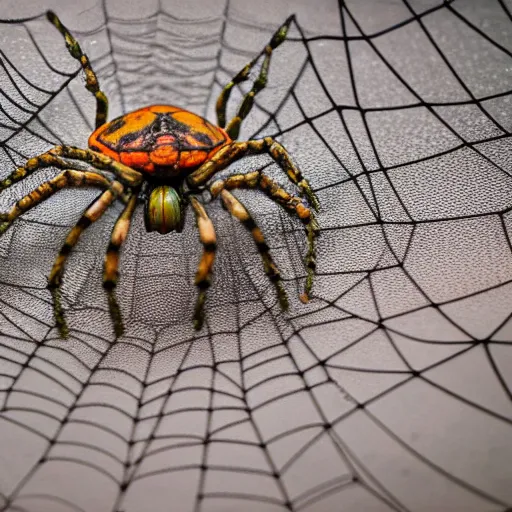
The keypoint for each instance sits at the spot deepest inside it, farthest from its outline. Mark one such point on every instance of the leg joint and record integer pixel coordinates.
(268, 141)
(109, 284)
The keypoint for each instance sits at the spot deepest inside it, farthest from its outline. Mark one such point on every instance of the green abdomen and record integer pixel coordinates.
(164, 210)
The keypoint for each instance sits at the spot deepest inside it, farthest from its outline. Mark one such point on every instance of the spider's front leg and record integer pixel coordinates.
(67, 178)
(53, 158)
(91, 81)
(233, 127)
(237, 150)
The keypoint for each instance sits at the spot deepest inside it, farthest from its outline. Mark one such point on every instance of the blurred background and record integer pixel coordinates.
(391, 389)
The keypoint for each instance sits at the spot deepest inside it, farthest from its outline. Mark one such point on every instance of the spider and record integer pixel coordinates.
(166, 155)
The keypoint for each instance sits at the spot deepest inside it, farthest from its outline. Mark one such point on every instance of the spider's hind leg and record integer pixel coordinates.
(238, 210)
(233, 127)
(91, 83)
(295, 205)
(111, 264)
(204, 270)
(91, 215)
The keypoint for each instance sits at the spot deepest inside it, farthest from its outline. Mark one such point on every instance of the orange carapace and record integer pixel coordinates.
(161, 140)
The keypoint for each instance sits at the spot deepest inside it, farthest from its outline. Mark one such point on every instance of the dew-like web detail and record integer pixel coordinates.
(390, 390)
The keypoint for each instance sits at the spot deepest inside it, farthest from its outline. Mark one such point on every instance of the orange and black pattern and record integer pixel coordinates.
(160, 139)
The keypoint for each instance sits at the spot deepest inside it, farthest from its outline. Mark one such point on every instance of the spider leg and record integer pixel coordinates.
(295, 205)
(204, 270)
(238, 210)
(111, 264)
(68, 178)
(91, 83)
(233, 127)
(236, 150)
(53, 158)
(91, 215)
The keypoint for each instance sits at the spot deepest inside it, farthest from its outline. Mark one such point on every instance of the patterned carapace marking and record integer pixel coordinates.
(160, 139)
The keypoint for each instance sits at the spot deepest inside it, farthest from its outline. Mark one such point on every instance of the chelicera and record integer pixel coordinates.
(167, 156)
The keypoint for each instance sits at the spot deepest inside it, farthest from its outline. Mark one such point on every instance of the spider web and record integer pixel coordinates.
(389, 391)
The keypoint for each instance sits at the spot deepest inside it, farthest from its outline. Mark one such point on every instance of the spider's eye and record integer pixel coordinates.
(155, 128)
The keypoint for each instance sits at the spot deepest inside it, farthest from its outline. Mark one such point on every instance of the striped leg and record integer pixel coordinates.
(92, 214)
(68, 178)
(238, 210)
(295, 205)
(53, 158)
(111, 264)
(232, 152)
(91, 81)
(204, 270)
(32, 165)
(233, 127)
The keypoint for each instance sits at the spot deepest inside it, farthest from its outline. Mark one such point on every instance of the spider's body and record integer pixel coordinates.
(160, 140)
(166, 155)
(165, 143)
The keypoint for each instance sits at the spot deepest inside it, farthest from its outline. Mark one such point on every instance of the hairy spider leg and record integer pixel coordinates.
(204, 270)
(91, 215)
(233, 127)
(238, 210)
(67, 178)
(91, 80)
(51, 158)
(236, 150)
(259, 180)
(111, 263)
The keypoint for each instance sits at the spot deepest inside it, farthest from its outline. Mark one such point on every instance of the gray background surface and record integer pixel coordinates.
(391, 390)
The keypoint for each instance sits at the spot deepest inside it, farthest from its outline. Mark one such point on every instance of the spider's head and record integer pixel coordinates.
(164, 210)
